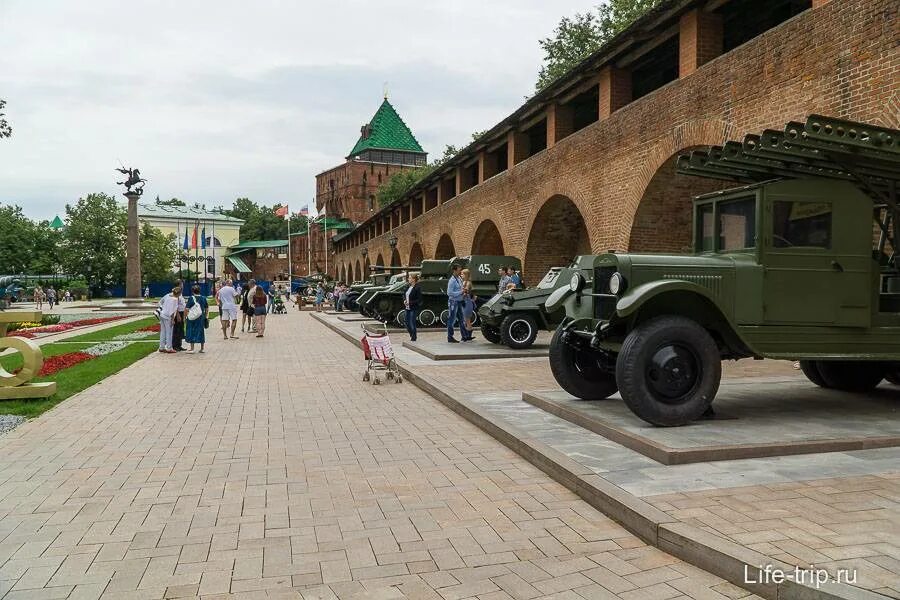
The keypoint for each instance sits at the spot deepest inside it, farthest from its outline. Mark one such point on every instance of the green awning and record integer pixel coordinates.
(238, 264)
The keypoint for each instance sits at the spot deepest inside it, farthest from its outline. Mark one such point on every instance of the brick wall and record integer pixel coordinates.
(839, 59)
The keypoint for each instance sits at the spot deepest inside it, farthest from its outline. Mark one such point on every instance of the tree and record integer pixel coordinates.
(261, 222)
(94, 246)
(16, 240)
(45, 250)
(575, 38)
(157, 254)
(5, 129)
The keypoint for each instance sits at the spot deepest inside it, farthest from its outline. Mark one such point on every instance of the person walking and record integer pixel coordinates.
(413, 304)
(197, 319)
(147, 292)
(247, 306)
(178, 322)
(226, 298)
(260, 302)
(68, 296)
(51, 297)
(168, 308)
(454, 305)
(320, 297)
(39, 297)
(468, 306)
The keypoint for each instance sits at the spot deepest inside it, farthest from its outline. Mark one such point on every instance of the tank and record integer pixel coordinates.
(387, 305)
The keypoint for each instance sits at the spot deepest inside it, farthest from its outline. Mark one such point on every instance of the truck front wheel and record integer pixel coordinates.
(518, 331)
(851, 376)
(669, 371)
(810, 368)
(579, 371)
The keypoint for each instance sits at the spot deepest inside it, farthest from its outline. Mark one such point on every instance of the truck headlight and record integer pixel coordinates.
(616, 284)
(576, 284)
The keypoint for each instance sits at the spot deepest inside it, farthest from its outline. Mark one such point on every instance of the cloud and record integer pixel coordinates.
(215, 100)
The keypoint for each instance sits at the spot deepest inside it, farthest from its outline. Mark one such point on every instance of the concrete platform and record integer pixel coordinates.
(436, 347)
(746, 425)
(350, 318)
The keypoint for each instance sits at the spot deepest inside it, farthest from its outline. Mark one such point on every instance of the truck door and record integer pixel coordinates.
(815, 271)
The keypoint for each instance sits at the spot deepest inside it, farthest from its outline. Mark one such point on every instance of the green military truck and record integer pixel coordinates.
(784, 268)
(388, 304)
(514, 318)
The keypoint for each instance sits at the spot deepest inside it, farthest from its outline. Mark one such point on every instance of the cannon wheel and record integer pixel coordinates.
(427, 318)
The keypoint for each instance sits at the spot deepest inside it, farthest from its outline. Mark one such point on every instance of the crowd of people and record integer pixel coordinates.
(51, 296)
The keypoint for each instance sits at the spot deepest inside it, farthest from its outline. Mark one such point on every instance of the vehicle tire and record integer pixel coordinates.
(810, 368)
(578, 372)
(518, 331)
(445, 316)
(401, 318)
(491, 334)
(892, 374)
(668, 371)
(427, 318)
(851, 376)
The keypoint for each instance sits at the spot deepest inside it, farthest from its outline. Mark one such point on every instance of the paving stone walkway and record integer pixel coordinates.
(266, 468)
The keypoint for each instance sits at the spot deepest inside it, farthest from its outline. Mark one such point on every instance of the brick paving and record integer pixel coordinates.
(850, 523)
(266, 468)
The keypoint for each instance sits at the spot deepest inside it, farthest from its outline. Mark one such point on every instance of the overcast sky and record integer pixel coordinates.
(213, 100)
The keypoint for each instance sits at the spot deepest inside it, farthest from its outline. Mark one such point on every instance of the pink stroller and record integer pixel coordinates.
(379, 356)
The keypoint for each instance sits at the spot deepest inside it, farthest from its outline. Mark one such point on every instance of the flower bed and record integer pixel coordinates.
(150, 328)
(32, 331)
(55, 364)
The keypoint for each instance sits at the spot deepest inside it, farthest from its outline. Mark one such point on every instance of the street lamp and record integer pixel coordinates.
(364, 252)
(393, 241)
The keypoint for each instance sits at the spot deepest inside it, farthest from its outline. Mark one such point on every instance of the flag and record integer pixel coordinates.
(282, 211)
(194, 238)
(203, 238)
(185, 246)
(304, 212)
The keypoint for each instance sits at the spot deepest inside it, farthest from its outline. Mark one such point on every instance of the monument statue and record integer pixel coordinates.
(133, 298)
(133, 179)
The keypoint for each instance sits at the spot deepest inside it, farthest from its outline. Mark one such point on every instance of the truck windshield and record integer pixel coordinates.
(737, 224)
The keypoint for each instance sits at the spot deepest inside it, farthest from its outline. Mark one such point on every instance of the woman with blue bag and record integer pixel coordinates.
(197, 319)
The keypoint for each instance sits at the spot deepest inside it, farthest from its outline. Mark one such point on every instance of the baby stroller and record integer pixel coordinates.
(278, 306)
(379, 355)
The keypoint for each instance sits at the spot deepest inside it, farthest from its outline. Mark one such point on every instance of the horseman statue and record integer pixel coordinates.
(132, 179)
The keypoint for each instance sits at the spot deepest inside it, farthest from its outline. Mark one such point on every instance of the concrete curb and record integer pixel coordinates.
(698, 547)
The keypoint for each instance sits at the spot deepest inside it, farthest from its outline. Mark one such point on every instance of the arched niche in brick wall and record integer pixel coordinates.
(395, 258)
(379, 260)
(487, 239)
(366, 269)
(445, 249)
(357, 272)
(343, 273)
(416, 255)
(558, 235)
(662, 222)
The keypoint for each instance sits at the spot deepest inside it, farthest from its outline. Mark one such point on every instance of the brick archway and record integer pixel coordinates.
(416, 255)
(487, 239)
(395, 258)
(343, 273)
(357, 272)
(366, 268)
(693, 134)
(558, 234)
(445, 248)
(379, 260)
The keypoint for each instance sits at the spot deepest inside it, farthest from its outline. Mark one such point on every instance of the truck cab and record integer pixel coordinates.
(794, 267)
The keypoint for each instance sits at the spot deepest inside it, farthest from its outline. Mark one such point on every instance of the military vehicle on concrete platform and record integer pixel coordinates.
(363, 301)
(514, 318)
(388, 304)
(784, 268)
(379, 277)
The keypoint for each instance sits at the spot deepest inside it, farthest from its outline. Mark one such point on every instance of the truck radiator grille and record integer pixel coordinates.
(604, 308)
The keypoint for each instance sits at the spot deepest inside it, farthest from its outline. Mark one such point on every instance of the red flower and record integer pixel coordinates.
(151, 328)
(29, 333)
(55, 364)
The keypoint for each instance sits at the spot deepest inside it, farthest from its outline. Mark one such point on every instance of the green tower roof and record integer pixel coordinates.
(387, 131)
(57, 223)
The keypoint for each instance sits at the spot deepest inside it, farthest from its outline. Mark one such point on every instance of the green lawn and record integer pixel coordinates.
(74, 379)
